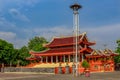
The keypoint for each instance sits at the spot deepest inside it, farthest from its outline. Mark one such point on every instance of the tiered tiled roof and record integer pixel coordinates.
(68, 41)
(64, 46)
(101, 53)
(33, 58)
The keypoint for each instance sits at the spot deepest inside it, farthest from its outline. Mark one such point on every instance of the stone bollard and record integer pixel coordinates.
(73, 68)
(67, 69)
(2, 70)
(60, 70)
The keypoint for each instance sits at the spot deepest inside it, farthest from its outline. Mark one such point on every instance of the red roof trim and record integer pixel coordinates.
(53, 52)
(98, 56)
(31, 58)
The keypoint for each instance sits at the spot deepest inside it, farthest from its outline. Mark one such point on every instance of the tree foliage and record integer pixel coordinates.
(36, 43)
(85, 64)
(117, 58)
(11, 56)
(6, 52)
(23, 53)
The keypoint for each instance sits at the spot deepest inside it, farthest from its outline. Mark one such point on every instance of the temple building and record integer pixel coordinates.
(61, 50)
(70, 50)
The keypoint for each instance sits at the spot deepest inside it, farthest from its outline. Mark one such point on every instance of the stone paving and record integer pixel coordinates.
(38, 76)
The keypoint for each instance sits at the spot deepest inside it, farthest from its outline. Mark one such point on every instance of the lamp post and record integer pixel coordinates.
(75, 7)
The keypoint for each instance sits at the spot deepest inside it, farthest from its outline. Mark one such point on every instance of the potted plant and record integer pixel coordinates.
(86, 66)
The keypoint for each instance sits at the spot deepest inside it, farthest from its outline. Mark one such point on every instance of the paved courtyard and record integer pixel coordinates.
(33, 76)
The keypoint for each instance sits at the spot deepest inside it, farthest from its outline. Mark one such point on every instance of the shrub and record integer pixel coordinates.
(85, 64)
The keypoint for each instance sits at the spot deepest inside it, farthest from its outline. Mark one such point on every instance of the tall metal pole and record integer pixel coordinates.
(75, 8)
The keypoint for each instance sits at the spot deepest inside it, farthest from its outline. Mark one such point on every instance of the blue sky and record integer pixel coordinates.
(21, 20)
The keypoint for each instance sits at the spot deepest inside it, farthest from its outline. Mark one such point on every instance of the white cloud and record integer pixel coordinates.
(5, 24)
(7, 35)
(13, 38)
(52, 31)
(28, 2)
(19, 42)
(107, 34)
(18, 15)
(4, 3)
(20, 4)
(10, 32)
(104, 35)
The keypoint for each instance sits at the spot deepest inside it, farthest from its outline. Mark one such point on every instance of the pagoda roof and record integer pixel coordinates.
(68, 41)
(59, 51)
(32, 57)
(101, 53)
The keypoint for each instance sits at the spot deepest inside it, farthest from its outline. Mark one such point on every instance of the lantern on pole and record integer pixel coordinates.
(75, 7)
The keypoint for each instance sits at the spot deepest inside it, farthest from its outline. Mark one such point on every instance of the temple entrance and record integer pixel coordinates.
(107, 67)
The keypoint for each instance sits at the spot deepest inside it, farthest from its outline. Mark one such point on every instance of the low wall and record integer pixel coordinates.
(14, 69)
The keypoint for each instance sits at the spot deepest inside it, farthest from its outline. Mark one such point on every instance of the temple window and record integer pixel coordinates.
(90, 58)
(108, 65)
(108, 58)
(97, 59)
(100, 59)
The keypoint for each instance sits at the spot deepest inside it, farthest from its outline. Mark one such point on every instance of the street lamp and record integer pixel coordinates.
(75, 7)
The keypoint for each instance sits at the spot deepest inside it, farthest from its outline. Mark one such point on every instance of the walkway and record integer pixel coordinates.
(28, 76)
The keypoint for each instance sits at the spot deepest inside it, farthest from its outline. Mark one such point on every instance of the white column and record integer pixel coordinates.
(64, 58)
(46, 59)
(56, 59)
(51, 59)
(41, 58)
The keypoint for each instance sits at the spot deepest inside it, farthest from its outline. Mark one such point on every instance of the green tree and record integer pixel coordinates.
(23, 54)
(36, 43)
(19, 57)
(85, 64)
(117, 58)
(11, 56)
(6, 52)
